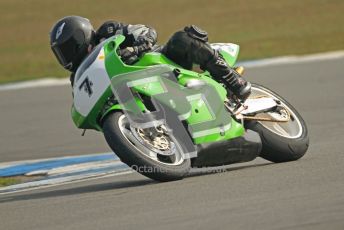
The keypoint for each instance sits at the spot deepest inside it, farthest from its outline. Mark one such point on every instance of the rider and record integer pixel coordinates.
(73, 37)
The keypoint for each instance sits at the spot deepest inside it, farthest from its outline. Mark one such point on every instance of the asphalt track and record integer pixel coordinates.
(306, 194)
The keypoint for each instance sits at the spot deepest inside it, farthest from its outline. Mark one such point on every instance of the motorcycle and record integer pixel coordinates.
(162, 120)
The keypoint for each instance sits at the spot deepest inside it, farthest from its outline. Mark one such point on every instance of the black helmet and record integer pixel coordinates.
(69, 40)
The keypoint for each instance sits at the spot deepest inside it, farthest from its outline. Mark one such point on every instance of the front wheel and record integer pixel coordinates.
(282, 141)
(153, 153)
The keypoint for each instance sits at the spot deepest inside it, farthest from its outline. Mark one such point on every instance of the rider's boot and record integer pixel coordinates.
(234, 82)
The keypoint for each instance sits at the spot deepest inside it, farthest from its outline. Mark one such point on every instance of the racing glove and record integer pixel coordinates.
(130, 54)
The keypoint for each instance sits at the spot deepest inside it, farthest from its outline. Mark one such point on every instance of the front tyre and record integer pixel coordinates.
(159, 159)
(282, 141)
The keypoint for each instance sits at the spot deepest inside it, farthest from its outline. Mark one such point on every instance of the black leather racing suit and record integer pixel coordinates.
(185, 47)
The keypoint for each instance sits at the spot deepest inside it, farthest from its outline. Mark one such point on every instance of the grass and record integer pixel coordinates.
(262, 28)
(6, 181)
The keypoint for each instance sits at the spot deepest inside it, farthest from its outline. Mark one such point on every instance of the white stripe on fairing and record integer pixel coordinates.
(250, 64)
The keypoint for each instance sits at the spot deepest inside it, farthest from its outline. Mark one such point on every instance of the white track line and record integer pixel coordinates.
(293, 59)
(35, 83)
(250, 64)
(57, 182)
(12, 163)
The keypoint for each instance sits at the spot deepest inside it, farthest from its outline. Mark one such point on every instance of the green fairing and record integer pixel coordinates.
(114, 66)
(229, 58)
(119, 107)
(93, 118)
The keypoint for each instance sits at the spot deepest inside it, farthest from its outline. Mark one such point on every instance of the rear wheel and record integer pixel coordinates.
(157, 157)
(282, 141)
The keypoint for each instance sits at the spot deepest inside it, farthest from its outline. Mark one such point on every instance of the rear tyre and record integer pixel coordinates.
(140, 157)
(282, 142)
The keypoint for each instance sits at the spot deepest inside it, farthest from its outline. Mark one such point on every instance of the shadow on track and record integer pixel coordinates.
(120, 184)
(222, 169)
(78, 190)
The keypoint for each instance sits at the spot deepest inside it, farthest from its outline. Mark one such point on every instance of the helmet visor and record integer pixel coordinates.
(66, 52)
